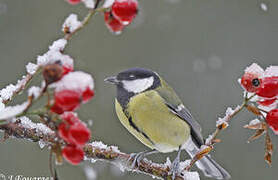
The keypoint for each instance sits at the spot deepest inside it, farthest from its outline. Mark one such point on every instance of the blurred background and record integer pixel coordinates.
(200, 47)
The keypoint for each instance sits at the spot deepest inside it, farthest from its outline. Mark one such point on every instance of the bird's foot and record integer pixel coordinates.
(175, 167)
(136, 158)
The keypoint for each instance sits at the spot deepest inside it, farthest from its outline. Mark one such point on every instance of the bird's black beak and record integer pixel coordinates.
(112, 80)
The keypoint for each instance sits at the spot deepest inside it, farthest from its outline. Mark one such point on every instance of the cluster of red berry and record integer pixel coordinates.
(71, 88)
(121, 14)
(75, 133)
(265, 85)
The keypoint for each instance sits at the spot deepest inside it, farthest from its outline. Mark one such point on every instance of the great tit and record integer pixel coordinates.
(151, 110)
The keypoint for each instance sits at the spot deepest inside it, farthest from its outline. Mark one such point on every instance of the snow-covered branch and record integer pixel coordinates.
(95, 151)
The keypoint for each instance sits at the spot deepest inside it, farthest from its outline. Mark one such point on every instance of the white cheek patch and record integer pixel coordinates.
(138, 85)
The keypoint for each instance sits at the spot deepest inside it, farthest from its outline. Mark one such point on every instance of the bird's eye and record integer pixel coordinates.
(256, 82)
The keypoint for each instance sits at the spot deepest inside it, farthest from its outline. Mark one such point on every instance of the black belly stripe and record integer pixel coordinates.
(131, 123)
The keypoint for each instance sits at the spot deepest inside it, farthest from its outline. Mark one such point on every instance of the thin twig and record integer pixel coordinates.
(218, 129)
(28, 77)
(85, 21)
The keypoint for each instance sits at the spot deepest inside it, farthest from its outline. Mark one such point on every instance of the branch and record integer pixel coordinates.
(21, 85)
(221, 124)
(95, 151)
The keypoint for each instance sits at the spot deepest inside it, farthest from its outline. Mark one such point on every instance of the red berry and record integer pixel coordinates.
(267, 102)
(74, 1)
(125, 10)
(63, 131)
(272, 119)
(250, 82)
(70, 117)
(268, 87)
(66, 100)
(79, 134)
(67, 69)
(57, 109)
(73, 154)
(87, 95)
(113, 24)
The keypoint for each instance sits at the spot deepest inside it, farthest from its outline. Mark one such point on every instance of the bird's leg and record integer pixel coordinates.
(176, 164)
(137, 157)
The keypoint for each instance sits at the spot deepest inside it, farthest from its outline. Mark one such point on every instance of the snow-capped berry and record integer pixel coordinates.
(272, 119)
(87, 95)
(52, 73)
(114, 25)
(66, 100)
(271, 71)
(70, 117)
(125, 10)
(268, 87)
(78, 81)
(254, 69)
(71, 90)
(267, 102)
(250, 82)
(79, 134)
(73, 154)
(74, 1)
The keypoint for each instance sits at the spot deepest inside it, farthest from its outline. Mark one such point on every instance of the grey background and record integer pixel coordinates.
(200, 47)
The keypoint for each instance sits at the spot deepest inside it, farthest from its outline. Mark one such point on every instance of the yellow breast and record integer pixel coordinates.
(165, 131)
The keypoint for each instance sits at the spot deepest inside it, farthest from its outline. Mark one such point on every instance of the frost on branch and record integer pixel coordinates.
(58, 45)
(39, 128)
(224, 121)
(34, 91)
(71, 24)
(12, 111)
(31, 68)
(97, 151)
(54, 55)
(7, 92)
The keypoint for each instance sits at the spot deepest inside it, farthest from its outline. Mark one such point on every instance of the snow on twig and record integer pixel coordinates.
(95, 151)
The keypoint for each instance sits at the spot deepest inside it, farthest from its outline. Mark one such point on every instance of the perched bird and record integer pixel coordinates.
(151, 110)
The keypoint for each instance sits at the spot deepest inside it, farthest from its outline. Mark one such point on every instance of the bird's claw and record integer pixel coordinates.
(175, 168)
(136, 159)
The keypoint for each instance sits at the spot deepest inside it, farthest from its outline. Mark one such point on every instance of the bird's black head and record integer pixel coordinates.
(134, 81)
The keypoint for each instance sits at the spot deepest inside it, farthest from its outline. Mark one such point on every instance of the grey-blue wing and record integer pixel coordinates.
(196, 130)
(176, 106)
